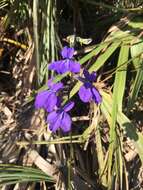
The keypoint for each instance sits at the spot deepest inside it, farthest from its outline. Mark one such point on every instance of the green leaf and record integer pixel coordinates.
(118, 92)
(11, 174)
(136, 86)
(136, 50)
(125, 123)
(94, 52)
(131, 132)
(104, 57)
(100, 156)
(120, 76)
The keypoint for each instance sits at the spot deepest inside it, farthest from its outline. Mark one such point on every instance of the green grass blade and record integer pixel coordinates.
(94, 52)
(120, 77)
(118, 92)
(137, 83)
(125, 124)
(11, 174)
(131, 132)
(136, 50)
(100, 156)
(104, 56)
(119, 160)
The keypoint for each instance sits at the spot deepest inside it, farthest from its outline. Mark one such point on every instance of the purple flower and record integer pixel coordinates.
(67, 63)
(47, 99)
(60, 118)
(88, 92)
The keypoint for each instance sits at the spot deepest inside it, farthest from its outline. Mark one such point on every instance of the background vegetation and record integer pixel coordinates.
(105, 148)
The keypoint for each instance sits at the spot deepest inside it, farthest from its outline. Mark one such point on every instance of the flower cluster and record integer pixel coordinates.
(88, 92)
(50, 99)
(67, 63)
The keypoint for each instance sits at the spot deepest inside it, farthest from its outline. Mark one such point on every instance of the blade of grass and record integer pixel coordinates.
(136, 50)
(118, 92)
(11, 174)
(120, 77)
(137, 84)
(104, 57)
(125, 124)
(94, 52)
(100, 156)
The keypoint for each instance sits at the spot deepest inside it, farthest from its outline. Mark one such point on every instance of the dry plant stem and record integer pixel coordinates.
(70, 163)
(25, 143)
(43, 164)
(80, 118)
(13, 42)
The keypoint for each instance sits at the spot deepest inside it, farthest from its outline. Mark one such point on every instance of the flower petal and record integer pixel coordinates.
(81, 79)
(88, 85)
(50, 82)
(91, 77)
(67, 53)
(74, 66)
(54, 126)
(52, 117)
(51, 102)
(41, 99)
(55, 66)
(96, 95)
(54, 120)
(85, 94)
(59, 102)
(64, 66)
(57, 86)
(66, 122)
(68, 106)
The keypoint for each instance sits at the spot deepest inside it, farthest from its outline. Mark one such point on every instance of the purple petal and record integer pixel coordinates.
(88, 85)
(41, 99)
(50, 82)
(64, 66)
(54, 126)
(74, 66)
(57, 86)
(54, 120)
(59, 102)
(96, 96)
(67, 53)
(91, 77)
(61, 67)
(81, 79)
(51, 102)
(85, 94)
(52, 117)
(66, 122)
(55, 66)
(68, 106)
